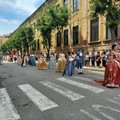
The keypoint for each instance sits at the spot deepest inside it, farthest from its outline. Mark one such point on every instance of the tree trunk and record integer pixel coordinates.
(27, 49)
(48, 56)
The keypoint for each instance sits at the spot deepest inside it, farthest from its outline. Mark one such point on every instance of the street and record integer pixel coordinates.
(27, 93)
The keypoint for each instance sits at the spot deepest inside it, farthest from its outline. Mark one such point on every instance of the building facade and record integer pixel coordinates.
(4, 39)
(81, 32)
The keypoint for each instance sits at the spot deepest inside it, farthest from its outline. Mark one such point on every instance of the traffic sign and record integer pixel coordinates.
(84, 42)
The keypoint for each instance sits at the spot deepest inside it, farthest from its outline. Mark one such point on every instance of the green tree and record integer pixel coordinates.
(109, 9)
(45, 27)
(22, 38)
(4, 48)
(27, 38)
(52, 19)
(60, 17)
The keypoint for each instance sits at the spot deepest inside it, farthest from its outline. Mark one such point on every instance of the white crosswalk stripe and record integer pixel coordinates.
(89, 115)
(63, 91)
(41, 101)
(83, 78)
(7, 109)
(81, 85)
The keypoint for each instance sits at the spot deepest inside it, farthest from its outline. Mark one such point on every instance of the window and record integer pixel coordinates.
(94, 34)
(38, 44)
(108, 33)
(75, 5)
(75, 35)
(58, 39)
(66, 3)
(66, 37)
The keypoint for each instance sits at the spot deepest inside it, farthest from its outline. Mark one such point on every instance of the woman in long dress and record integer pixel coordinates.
(19, 60)
(112, 70)
(52, 62)
(26, 59)
(61, 62)
(69, 68)
(41, 62)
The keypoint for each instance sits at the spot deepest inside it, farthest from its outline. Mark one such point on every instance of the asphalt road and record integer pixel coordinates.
(27, 93)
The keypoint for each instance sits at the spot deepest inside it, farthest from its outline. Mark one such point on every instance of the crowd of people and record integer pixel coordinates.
(66, 63)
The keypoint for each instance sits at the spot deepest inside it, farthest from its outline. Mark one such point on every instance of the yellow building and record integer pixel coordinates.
(79, 30)
(4, 39)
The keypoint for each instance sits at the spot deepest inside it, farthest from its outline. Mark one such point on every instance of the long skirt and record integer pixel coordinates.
(42, 65)
(52, 64)
(60, 65)
(112, 75)
(69, 69)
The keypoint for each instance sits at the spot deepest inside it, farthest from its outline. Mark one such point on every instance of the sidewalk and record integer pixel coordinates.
(94, 69)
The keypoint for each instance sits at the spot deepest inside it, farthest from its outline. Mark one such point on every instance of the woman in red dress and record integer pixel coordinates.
(112, 70)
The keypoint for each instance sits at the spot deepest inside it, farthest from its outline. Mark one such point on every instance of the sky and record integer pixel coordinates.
(14, 12)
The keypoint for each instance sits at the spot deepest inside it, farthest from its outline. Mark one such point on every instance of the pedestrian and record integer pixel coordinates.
(87, 59)
(112, 71)
(98, 59)
(79, 61)
(52, 62)
(93, 59)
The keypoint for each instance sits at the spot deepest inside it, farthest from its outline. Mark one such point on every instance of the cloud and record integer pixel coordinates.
(13, 12)
(8, 26)
(20, 6)
(6, 21)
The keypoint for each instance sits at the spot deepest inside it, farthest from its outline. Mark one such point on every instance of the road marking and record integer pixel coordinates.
(97, 108)
(89, 115)
(7, 109)
(118, 97)
(113, 101)
(81, 85)
(41, 101)
(82, 78)
(63, 91)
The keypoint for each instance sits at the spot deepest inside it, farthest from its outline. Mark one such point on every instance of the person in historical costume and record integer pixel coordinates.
(32, 60)
(52, 62)
(79, 61)
(69, 68)
(15, 57)
(25, 62)
(112, 70)
(19, 60)
(41, 62)
(61, 62)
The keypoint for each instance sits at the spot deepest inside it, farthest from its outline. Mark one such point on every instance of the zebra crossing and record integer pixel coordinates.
(42, 102)
(7, 109)
(81, 85)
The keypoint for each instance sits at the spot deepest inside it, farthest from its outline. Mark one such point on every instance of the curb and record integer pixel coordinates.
(94, 69)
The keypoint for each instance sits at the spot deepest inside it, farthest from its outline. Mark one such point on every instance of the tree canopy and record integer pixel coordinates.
(53, 19)
(108, 8)
(22, 38)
